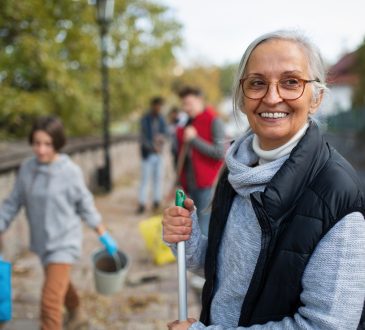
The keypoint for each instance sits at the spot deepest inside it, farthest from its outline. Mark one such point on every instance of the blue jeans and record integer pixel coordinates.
(202, 199)
(152, 168)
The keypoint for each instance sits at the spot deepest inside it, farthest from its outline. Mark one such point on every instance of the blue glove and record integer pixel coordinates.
(109, 243)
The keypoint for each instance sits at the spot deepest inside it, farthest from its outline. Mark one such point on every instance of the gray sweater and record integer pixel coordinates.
(333, 281)
(55, 197)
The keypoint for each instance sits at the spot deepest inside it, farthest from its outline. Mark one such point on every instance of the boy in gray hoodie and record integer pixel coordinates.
(51, 187)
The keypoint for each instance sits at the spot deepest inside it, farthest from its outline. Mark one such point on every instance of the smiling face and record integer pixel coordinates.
(43, 147)
(274, 119)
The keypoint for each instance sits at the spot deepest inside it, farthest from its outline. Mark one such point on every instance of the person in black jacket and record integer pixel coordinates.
(153, 133)
(286, 242)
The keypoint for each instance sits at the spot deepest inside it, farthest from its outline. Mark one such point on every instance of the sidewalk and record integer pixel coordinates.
(148, 300)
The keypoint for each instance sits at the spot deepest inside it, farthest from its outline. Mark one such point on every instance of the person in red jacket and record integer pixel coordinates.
(201, 149)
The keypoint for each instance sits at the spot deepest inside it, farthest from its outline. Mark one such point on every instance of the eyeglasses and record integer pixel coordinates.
(290, 88)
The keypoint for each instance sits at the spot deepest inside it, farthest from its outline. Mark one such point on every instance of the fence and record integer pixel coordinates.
(350, 121)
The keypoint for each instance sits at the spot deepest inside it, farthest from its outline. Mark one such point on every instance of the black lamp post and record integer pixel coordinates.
(104, 15)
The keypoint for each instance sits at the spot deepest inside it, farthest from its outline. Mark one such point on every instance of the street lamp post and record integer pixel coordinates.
(104, 10)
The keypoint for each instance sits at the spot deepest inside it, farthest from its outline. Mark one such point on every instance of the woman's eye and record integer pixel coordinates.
(290, 82)
(257, 83)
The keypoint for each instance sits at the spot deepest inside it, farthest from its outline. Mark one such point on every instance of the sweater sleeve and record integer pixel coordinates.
(11, 205)
(333, 283)
(85, 202)
(195, 248)
(215, 149)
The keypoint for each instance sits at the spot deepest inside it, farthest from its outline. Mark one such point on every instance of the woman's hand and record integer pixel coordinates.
(109, 243)
(106, 239)
(183, 325)
(177, 223)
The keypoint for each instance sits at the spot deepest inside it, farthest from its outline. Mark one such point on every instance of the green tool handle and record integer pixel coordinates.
(180, 198)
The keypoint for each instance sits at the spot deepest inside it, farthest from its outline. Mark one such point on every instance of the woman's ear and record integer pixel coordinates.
(316, 102)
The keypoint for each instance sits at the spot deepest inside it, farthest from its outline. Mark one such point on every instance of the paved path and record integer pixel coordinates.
(141, 305)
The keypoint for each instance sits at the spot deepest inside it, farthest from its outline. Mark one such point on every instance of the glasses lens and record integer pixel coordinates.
(254, 88)
(290, 88)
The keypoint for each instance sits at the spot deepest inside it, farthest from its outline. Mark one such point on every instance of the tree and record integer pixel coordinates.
(145, 37)
(51, 61)
(227, 75)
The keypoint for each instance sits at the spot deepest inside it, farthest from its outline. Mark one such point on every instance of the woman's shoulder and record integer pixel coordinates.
(70, 172)
(339, 186)
(339, 173)
(67, 165)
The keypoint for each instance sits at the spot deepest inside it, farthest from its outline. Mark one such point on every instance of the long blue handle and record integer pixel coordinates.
(181, 265)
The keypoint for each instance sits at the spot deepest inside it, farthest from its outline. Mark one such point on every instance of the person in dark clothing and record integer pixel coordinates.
(153, 132)
(286, 242)
(201, 151)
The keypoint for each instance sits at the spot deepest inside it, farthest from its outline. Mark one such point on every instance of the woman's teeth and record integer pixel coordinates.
(273, 114)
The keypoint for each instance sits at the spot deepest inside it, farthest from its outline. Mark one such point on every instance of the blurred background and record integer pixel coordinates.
(99, 72)
(50, 56)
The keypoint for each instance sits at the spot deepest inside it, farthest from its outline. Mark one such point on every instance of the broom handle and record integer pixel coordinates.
(181, 265)
(182, 281)
(181, 160)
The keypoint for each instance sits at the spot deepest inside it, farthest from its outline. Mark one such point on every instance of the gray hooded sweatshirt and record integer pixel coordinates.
(55, 197)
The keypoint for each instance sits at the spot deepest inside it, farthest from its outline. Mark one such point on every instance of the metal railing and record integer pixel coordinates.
(11, 157)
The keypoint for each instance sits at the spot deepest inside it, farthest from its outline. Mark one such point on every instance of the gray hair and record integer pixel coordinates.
(315, 61)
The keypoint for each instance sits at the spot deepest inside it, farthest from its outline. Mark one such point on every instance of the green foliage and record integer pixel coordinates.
(216, 82)
(50, 61)
(145, 39)
(207, 78)
(227, 75)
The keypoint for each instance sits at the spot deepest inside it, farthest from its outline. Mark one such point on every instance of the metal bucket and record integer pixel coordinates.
(109, 275)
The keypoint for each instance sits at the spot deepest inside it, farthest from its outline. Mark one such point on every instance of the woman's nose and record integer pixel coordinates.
(42, 149)
(272, 96)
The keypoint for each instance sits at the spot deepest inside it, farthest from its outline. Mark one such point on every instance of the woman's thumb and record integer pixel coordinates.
(189, 204)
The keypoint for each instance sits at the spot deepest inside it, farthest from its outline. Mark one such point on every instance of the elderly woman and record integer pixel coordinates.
(286, 244)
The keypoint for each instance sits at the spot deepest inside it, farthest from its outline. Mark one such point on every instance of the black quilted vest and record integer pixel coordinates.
(310, 193)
